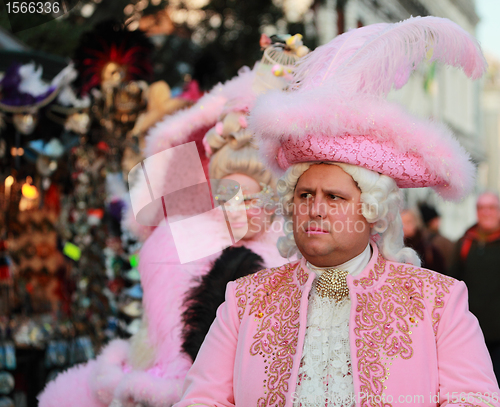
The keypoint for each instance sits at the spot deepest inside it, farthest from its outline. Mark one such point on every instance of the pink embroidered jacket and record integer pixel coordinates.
(413, 341)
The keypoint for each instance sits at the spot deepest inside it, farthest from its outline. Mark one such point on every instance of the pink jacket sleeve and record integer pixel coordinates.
(209, 382)
(465, 368)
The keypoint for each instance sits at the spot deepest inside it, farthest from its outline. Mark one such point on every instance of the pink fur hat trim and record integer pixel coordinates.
(338, 114)
(373, 134)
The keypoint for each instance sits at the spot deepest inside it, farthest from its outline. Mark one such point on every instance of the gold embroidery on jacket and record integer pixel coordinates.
(374, 274)
(382, 319)
(243, 286)
(302, 275)
(273, 297)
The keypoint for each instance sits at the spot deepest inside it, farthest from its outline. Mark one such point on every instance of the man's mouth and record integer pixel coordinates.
(315, 230)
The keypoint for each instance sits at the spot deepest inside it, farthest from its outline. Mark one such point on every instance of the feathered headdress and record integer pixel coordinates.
(109, 42)
(337, 109)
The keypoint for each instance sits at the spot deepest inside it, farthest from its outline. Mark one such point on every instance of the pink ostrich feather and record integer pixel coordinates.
(375, 58)
(339, 95)
(315, 67)
(108, 370)
(71, 389)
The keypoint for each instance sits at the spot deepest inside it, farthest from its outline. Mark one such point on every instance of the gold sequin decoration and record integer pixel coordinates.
(400, 298)
(275, 294)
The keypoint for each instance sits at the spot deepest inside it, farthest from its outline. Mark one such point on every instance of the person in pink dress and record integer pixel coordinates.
(357, 320)
(149, 368)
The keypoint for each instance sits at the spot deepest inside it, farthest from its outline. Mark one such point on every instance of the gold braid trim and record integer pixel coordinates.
(273, 298)
(383, 317)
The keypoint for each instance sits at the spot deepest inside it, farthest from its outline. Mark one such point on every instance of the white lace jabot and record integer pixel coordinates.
(325, 373)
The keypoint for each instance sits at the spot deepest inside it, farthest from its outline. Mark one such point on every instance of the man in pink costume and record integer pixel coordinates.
(356, 321)
(151, 367)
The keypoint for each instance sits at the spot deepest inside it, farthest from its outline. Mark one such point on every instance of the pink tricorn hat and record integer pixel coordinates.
(336, 110)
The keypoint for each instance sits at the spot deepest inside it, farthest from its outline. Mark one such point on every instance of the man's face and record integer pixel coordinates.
(328, 226)
(488, 212)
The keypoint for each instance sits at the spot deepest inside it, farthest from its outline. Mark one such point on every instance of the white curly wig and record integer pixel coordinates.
(381, 201)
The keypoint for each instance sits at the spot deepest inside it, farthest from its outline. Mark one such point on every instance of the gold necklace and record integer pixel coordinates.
(333, 284)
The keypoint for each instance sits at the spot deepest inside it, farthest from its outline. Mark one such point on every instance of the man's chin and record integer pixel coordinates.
(314, 250)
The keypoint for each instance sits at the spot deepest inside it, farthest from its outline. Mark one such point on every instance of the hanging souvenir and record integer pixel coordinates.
(24, 93)
(6, 383)
(134, 292)
(62, 352)
(132, 309)
(133, 275)
(88, 349)
(71, 111)
(134, 326)
(51, 354)
(25, 123)
(113, 62)
(10, 356)
(6, 402)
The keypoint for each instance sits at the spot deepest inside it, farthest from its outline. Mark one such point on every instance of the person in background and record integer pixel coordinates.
(149, 368)
(477, 262)
(415, 237)
(432, 223)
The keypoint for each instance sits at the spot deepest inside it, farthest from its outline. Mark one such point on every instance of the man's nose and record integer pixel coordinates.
(318, 207)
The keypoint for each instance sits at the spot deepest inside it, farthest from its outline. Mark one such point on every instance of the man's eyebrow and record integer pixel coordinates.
(305, 189)
(327, 191)
(333, 191)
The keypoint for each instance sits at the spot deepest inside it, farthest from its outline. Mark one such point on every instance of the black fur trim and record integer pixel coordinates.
(203, 300)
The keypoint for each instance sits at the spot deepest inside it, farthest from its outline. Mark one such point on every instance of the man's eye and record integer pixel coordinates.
(306, 195)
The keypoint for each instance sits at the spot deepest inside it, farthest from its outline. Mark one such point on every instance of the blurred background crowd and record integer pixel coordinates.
(72, 125)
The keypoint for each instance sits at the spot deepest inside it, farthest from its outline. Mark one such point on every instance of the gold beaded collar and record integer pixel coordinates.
(332, 281)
